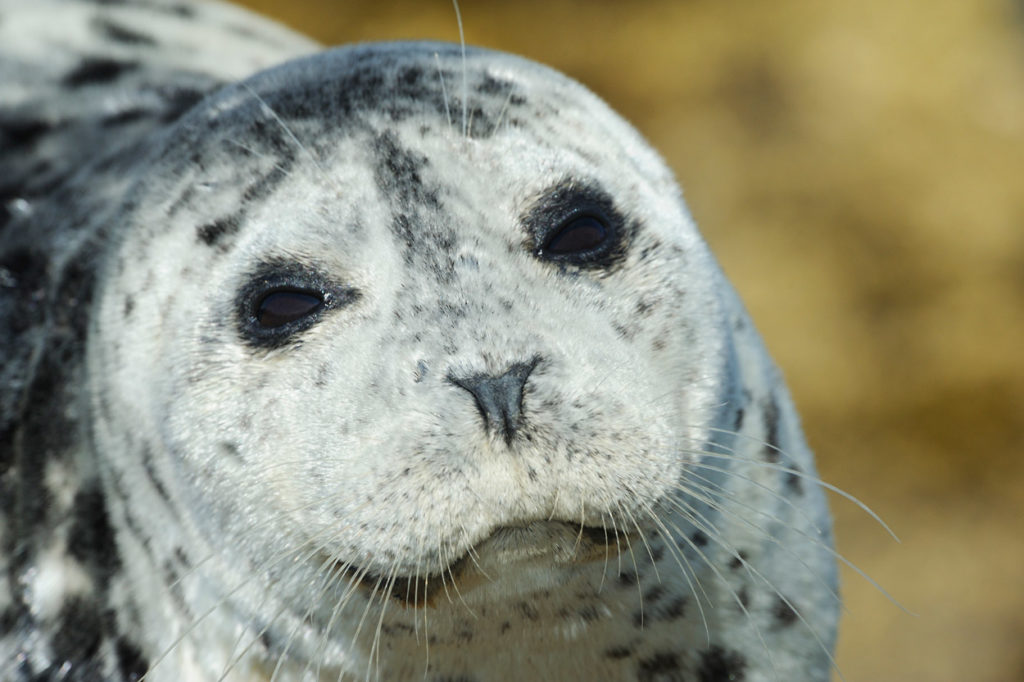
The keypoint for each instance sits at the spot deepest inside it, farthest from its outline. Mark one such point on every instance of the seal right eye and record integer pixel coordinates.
(575, 224)
(281, 300)
(279, 308)
(579, 237)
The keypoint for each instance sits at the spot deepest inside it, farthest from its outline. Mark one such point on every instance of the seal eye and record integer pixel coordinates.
(278, 308)
(576, 226)
(282, 299)
(579, 235)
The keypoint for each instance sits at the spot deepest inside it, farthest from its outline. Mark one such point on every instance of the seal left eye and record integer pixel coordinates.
(278, 308)
(579, 235)
(281, 300)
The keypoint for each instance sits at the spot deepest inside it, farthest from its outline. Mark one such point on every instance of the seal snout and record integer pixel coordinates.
(499, 398)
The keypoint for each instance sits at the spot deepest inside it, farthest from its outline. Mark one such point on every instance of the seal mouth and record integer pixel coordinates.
(552, 542)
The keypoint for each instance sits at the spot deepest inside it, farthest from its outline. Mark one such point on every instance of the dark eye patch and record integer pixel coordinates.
(577, 224)
(281, 300)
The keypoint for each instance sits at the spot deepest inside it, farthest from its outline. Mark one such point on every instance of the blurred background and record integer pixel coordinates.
(858, 168)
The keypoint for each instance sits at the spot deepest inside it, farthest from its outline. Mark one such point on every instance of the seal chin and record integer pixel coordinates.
(507, 553)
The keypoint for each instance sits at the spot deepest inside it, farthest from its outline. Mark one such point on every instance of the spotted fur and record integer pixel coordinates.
(487, 442)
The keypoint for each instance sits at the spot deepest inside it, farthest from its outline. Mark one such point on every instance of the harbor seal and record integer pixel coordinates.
(393, 361)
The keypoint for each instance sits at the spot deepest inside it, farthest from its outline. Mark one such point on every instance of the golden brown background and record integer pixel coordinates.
(858, 167)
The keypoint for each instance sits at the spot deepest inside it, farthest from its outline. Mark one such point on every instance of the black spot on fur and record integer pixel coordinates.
(213, 233)
(20, 133)
(770, 409)
(131, 663)
(783, 612)
(738, 560)
(627, 578)
(398, 173)
(124, 117)
(794, 480)
(737, 422)
(699, 539)
(185, 11)
(74, 303)
(528, 610)
(658, 610)
(146, 457)
(182, 558)
(96, 71)
(117, 33)
(618, 652)
(92, 540)
(492, 86)
(46, 432)
(131, 524)
(177, 101)
(171, 575)
(230, 449)
(652, 595)
(660, 667)
(8, 618)
(27, 269)
(263, 187)
(410, 76)
(81, 627)
(625, 332)
(719, 665)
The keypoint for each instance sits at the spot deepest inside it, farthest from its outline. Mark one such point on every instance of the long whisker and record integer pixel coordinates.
(444, 91)
(815, 480)
(287, 130)
(465, 76)
(685, 568)
(722, 508)
(712, 532)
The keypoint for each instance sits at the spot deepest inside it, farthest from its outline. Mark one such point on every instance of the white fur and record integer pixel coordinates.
(252, 474)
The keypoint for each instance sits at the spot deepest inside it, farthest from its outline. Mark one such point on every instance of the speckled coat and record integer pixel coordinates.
(391, 362)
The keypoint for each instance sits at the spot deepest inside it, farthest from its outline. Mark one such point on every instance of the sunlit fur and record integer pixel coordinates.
(333, 507)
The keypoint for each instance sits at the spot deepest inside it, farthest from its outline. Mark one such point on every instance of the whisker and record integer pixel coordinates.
(607, 551)
(650, 554)
(685, 568)
(722, 508)
(757, 484)
(288, 131)
(809, 478)
(712, 532)
(636, 572)
(444, 91)
(465, 77)
(501, 112)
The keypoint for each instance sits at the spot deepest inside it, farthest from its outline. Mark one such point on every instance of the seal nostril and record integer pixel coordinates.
(499, 398)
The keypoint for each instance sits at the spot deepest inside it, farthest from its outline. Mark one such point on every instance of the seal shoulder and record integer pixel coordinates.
(83, 86)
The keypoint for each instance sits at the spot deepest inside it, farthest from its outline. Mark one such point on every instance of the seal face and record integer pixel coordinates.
(386, 362)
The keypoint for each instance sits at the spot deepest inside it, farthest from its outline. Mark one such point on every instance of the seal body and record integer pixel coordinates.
(382, 362)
